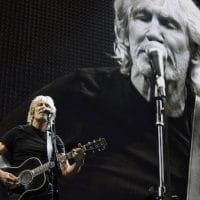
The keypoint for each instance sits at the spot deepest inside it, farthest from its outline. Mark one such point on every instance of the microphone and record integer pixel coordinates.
(47, 111)
(158, 55)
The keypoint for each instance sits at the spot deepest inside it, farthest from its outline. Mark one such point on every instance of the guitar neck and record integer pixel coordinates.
(43, 168)
(99, 145)
(68, 156)
(48, 165)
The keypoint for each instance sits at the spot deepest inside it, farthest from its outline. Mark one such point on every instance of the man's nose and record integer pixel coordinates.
(154, 32)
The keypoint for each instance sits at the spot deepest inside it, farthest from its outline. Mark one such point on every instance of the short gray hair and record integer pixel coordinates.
(35, 101)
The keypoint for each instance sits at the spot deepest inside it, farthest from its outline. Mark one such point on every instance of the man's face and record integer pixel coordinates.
(153, 22)
(39, 114)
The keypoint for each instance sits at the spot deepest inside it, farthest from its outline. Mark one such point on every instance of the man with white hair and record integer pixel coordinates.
(29, 141)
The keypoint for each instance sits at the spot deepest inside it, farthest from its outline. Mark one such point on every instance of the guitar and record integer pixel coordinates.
(31, 173)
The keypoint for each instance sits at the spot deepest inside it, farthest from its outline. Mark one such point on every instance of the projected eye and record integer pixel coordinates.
(170, 23)
(142, 15)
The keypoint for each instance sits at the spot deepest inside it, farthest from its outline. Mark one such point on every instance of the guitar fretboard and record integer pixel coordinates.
(43, 168)
(90, 146)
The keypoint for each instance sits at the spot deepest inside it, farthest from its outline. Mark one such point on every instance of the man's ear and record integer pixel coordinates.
(126, 42)
(32, 114)
(124, 39)
(122, 36)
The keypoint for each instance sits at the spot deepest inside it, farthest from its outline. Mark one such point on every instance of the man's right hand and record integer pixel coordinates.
(7, 177)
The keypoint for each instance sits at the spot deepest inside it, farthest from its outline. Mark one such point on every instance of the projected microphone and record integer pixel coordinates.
(157, 55)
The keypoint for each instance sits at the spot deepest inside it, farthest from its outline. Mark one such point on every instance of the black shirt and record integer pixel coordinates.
(25, 141)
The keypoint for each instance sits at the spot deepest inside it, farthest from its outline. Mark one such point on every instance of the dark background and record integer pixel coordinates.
(41, 40)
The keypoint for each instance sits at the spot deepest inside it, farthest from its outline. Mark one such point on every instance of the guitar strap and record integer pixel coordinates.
(49, 146)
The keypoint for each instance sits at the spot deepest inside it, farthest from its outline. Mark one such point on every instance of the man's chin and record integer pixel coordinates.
(42, 120)
(141, 66)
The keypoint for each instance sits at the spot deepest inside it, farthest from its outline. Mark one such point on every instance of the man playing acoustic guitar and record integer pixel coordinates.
(26, 143)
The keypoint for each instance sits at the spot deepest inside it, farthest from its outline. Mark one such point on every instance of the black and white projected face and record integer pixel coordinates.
(160, 22)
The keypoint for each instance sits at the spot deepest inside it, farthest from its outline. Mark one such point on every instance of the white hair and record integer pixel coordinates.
(37, 100)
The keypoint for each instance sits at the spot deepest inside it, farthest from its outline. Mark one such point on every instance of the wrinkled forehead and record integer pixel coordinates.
(41, 101)
(166, 8)
(159, 4)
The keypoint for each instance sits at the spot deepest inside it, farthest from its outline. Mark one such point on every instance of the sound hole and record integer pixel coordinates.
(25, 177)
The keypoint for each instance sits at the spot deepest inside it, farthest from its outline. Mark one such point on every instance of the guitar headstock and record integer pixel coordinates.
(96, 145)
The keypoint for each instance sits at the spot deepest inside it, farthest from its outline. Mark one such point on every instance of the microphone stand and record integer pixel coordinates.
(160, 97)
(52, 152)
(157, 55)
